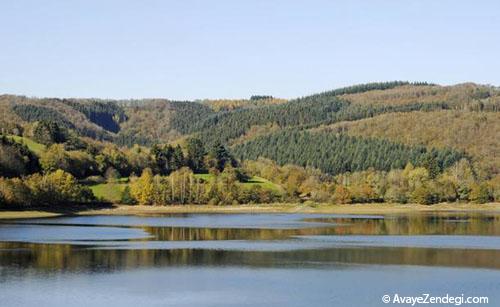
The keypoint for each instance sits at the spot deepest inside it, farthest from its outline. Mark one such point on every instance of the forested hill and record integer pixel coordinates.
(246, 124)
(390, 141)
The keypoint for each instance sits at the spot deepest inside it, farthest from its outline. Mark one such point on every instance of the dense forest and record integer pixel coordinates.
(336, 154)
(390, 141)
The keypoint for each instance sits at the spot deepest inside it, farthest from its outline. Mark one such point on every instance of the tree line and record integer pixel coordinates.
(48, 190)
(167, 174)
(84, 158)
(411, 184)
(182, 187)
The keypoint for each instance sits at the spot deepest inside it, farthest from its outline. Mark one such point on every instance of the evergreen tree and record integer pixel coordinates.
(177, 160)
(195, 154)
(431, 164)
(222, 157)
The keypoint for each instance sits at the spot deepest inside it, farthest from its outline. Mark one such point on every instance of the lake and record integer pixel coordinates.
(247, 259)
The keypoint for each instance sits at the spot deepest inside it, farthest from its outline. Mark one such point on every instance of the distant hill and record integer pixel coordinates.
(462, 118)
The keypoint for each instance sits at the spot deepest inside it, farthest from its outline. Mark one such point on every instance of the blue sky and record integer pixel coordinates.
(231, 49)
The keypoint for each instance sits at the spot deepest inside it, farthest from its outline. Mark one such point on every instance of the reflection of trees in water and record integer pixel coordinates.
(56, 257)
(203, 234)
(401, 225)
(418, 224)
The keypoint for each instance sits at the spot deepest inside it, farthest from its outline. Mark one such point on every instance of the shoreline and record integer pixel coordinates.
(373, 208)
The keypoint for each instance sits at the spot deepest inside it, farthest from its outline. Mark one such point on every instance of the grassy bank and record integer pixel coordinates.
(299, 208)
(382, 209)
(29, 214)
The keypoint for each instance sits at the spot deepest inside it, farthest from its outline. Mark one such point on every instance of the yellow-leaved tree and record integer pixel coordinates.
(142, 189)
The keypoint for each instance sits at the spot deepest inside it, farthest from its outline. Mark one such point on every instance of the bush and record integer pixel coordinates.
(423, 195)
(13, 192)
(58, 187)
(494, 185)
(126, 197)
(480, 193)
(342, 195)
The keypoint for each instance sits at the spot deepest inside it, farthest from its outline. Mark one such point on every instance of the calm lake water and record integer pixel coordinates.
(247, 259)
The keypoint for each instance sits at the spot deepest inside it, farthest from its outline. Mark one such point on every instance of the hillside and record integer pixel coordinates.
(147, 121)
(336, 154)
(123, 122)
(476, 133)
(462, 118)
(467, 96)
(158, 120)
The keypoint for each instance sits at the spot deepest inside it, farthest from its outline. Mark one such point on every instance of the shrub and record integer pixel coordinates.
(480, 193)
(126, 197)
(342, 195)
(13, 192)
(58, 187)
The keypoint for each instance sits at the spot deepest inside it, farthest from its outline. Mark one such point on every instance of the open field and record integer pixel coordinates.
(264, 183)
(35, 147)
(109, 191)
(382, 209)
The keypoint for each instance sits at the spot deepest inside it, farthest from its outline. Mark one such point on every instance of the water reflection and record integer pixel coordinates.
(396, 225)
(61, 257)
(260, 227)
(252, 260)
(110, 243)
(418, 224)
